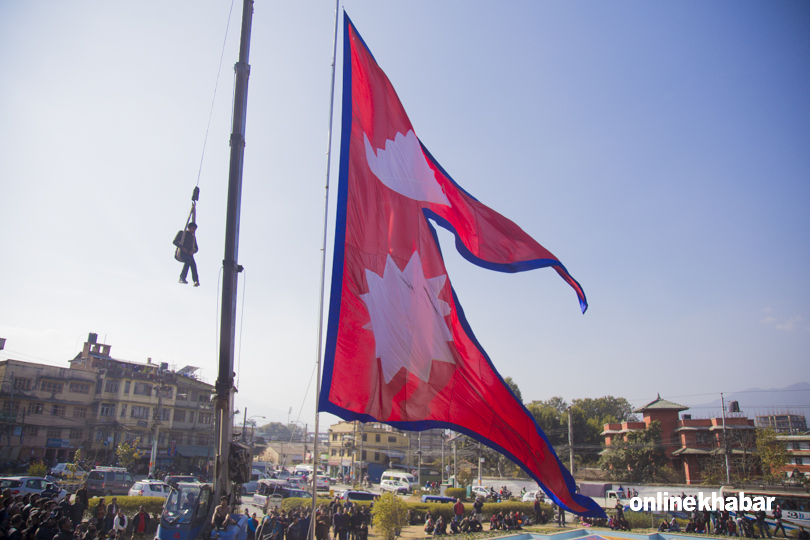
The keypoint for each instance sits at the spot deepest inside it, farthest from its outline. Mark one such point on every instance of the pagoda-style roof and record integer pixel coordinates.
(661, 405)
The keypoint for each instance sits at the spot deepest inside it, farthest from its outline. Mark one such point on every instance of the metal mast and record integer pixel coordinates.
(224, 384)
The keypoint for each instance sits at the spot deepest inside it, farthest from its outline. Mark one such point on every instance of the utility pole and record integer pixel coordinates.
(480, 462)
(157, 419)
(455, 461)
(225, 378)
(725, 439)
(570, 442)
(361, 452)
(244, 426)
(419, 453)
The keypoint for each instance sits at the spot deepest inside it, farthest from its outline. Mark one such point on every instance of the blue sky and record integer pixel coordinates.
(660, 150)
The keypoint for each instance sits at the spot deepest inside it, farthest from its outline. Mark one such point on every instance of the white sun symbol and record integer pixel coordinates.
(407, 319)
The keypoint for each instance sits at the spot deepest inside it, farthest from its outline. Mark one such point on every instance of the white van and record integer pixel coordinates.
(403, 478)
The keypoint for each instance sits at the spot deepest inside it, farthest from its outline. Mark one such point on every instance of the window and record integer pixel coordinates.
(182, 394)
(205, 418)
(341, 453)
(161, 439)
(334, 452)
(79, 412)
(179, 415)
(168, 391)
(166, 415)
(107, 409)
(51, 386)
(703, 437)
(204, 397)
(190, 417)
(334, 436)
(123, 410)
(111, 387)
(142, 389)
(36, 408)
(799, 461)
(22, 384)
(363, 455)
(796, 446)
(377, 437)
(12, 407)
(202, 440)
(365, 437)
(31, 431)
(139, 412)
(54, 433)
(193, 395)
(392, 438)
(102, 436)
(376, 456)
(79, 388)
(127, 386)
(58, 410)
(77, 434)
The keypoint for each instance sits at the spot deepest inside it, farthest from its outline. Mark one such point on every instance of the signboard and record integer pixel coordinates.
(57, 443)
(173, 449)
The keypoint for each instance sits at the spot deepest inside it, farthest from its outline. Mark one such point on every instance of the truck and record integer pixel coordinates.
(604, 494)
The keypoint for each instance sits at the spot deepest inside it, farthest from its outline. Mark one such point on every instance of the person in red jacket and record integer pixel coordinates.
(140, 523)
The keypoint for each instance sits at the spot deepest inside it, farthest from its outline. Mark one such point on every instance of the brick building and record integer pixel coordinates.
(688, 443)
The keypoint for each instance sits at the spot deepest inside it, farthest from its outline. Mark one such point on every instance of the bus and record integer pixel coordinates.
(795, 504)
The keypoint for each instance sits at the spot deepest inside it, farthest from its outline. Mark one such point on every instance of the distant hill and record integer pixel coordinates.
(793, 399)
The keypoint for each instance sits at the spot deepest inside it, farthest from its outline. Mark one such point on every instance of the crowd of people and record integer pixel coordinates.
(35, 517)
(340, 520)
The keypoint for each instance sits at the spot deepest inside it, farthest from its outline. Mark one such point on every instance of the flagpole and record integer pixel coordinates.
(315, 456)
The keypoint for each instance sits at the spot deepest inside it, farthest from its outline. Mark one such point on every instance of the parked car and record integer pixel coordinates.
(178, 478)
(393, 485)
(20, 485)
(250, 486)
(109, 481)
(530, 496)
(353, 495)
(63, 470)
(149, 488)
(322, 483)
(297, 482)
(437, 499)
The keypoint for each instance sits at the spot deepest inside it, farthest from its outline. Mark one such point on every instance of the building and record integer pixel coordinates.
(788, 424)
(798, 446)
(46, 411)
(371, 448)
(688, 443)
(284, 454)
(98, 402)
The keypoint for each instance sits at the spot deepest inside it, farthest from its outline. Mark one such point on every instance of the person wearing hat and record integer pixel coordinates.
(186, 242)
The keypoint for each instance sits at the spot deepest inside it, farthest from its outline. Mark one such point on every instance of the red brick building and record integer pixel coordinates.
(688, 443)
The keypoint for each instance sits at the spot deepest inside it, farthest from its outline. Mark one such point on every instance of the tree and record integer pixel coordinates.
(128, 455)
(638, 458)
(514, 388)
(37, 469)
(464, 477)
(77, 458)
(388, 514)
(773, 453)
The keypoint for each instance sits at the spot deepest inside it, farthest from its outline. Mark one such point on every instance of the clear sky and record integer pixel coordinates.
(660, 150)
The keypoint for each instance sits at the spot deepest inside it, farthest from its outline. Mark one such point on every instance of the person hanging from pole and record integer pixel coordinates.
(186, 242)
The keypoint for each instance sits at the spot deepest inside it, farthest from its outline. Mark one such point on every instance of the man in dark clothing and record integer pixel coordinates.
(65, 530)
(186, 248)
(82, 495)
(77, 511)
(764, 529)
(15, 529)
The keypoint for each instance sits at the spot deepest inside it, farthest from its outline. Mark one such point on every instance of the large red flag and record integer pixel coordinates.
(399, 349)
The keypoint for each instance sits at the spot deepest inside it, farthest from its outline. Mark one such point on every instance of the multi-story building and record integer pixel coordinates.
(99, 402)
(688, 443)
(46, 411)
(798, 446)
(371, 448)
(787, 424)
